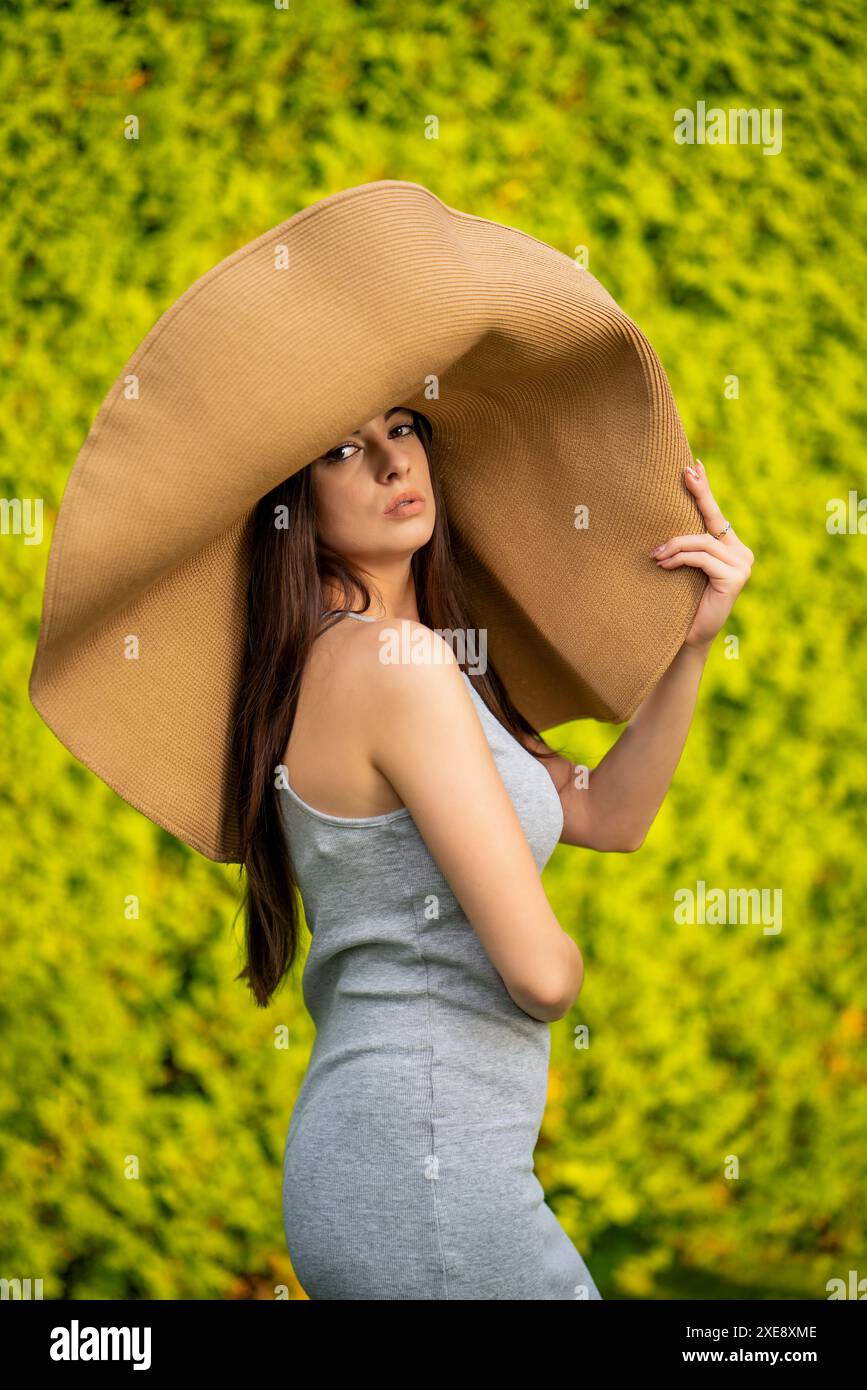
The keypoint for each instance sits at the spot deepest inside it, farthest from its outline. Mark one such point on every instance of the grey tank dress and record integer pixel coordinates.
(408, 1165)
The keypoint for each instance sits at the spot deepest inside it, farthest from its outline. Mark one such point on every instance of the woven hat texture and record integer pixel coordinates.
(545, 400)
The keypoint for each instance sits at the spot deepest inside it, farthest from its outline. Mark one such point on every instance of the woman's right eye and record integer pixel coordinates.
(330, 456)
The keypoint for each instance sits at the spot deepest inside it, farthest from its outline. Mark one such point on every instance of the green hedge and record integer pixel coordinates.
(144, 1100)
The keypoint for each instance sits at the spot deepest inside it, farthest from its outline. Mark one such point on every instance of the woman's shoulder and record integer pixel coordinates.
(386, 681)
(401, 654)
(388, 663)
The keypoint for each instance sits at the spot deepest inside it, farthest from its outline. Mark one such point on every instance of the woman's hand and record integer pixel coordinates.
(727, 562)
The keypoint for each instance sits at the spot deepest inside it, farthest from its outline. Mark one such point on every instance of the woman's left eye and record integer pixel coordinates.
(406, 426)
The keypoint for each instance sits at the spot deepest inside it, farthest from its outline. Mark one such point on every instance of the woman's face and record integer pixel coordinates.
(357, 483)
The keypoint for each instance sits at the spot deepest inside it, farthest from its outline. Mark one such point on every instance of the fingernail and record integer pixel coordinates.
(691, 470)
(657, 548)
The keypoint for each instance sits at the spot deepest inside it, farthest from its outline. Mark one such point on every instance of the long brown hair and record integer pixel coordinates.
(288, 570)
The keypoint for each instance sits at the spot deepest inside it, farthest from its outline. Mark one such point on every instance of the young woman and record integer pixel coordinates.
(415, 808)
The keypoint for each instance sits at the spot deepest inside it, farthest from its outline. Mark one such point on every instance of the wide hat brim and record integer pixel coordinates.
(544, 398)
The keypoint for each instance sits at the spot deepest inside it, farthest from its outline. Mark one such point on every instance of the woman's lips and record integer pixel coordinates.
(405, 509)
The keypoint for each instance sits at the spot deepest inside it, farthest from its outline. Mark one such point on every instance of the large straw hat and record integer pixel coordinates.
(545, 400)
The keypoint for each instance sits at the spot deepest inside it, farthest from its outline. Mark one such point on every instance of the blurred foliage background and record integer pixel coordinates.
(128, 1042)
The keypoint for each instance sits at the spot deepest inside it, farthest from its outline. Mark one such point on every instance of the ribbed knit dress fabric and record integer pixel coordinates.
(408, 1166)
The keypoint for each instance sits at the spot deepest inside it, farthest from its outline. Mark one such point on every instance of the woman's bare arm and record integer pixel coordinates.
(426, 739)
(618, 804)
(614, 805)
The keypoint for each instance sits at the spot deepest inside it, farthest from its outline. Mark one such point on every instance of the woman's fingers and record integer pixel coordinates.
(721, 554)
(713, 567)
(703, 541)
(713, 517)
(700, 489)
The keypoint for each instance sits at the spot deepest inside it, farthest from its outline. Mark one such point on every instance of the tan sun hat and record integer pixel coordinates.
(545, 400)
